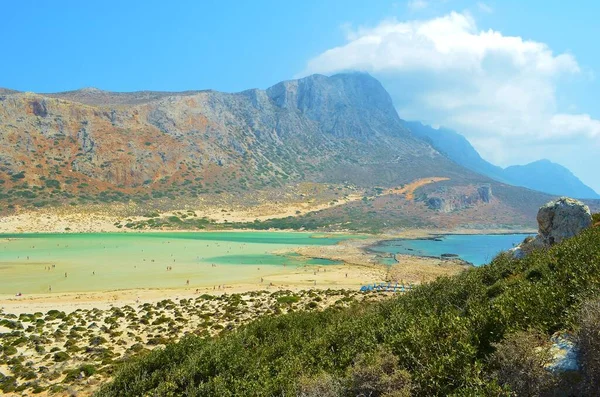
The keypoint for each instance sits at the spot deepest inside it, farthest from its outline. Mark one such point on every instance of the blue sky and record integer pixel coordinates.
(549, 111)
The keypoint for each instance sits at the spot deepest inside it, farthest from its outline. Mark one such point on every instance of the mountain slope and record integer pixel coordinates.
(179, 149)
(341, 128)
(305, 127)
(543, 175)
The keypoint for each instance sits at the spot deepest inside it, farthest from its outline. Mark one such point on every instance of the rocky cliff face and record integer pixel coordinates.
(325, 129)
(93, 146)
(458, 198)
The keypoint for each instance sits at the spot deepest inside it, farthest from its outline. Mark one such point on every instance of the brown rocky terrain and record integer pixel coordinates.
(144, 150)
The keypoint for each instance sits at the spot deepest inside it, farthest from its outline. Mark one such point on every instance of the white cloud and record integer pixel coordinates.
(416, 5)
(484, 8)
(498, 90)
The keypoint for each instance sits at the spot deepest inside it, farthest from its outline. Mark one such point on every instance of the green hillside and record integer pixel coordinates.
(449, 337)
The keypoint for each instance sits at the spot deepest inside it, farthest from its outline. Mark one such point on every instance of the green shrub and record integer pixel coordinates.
(378, 374)
(60, 357)
(83, 371)
(18, 176)
(520, 362)
(288, 299)
(10, 350)
(588, 341)
(97, 341)
(52, 183)
(323, 385)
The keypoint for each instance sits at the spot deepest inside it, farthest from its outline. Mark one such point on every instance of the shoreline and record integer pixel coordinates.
(295, 282)
(411, 234)
(359, 265)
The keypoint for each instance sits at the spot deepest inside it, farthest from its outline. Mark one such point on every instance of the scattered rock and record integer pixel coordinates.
(449, 256)
(564, 353)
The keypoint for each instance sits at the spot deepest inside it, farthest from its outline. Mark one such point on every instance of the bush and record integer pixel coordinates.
(323, 385)
(52, 183)
(288, 299)
(60, 357)
(83, 371)
(520, 361)
(378, 374)
(588, 343)
(10, 350)
(18, 176)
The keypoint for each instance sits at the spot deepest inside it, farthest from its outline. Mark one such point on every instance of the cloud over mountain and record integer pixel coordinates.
(500, 90)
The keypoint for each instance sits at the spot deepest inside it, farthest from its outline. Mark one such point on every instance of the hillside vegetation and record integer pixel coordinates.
(455, 336)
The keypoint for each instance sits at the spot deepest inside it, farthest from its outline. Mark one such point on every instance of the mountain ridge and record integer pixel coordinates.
(89, 147)
(541, 175)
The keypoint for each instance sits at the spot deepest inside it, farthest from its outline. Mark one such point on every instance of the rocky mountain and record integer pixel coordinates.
(341, 128)
(543, 175)
(92, 147)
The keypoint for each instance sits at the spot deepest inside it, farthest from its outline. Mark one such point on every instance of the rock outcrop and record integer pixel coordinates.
(447, 200)
(562, 219)
(557, 220)
(485, 193)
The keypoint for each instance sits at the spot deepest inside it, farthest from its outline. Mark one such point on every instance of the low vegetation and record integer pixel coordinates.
(56, 351)
(450, 337)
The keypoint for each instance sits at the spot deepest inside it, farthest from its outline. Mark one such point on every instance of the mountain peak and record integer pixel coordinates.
(90, 90)
(344, 103)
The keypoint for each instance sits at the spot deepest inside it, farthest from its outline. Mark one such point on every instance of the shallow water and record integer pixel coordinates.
(34, 263)
(477, 249)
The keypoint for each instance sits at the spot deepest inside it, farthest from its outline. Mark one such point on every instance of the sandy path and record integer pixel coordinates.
(409, 189)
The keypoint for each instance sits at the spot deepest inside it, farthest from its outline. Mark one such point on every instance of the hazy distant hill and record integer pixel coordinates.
(543, 175)
(546, 176)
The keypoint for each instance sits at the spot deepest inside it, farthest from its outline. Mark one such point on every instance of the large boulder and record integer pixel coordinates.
(561, 219)
(558, 220)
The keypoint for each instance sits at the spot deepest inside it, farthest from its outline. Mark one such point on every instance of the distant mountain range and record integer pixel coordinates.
(341, 132)
(542, 175)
